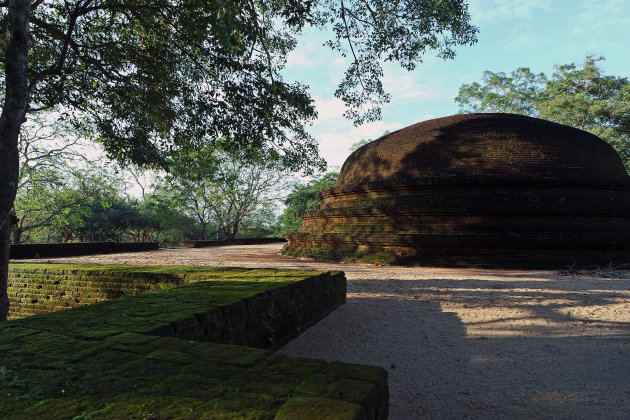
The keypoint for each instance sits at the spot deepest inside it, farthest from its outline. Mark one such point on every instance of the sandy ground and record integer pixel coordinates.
(464, 343)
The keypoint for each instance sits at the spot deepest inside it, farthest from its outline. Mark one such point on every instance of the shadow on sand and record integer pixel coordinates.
(505, 345)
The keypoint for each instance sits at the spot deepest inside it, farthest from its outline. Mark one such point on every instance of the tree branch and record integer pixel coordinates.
(349, 39)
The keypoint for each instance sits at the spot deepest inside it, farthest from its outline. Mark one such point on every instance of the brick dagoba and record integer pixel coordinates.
(478, 190)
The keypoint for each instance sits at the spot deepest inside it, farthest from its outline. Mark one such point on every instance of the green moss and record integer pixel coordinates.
(296, 366)
(145, 370)
(320, 408)
(45, 348)
(9, 334)
(243, 405)
(107, 360)
(220, 372)
(339, 254)
(100, 386)
(314, 385)
(267, 382)
(152, 407)
(170, 356)
(60, 408)
(134, 357)
(360, 392)
(130, 342)
(228, 354)
(188, 385)
(38, 288)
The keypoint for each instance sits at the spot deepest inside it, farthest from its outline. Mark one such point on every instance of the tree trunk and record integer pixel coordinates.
(11, 119)
(230, 231)
(16, 230)
(5, 247)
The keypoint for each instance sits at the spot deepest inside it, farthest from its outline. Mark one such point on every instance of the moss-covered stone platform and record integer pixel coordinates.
(150, 355)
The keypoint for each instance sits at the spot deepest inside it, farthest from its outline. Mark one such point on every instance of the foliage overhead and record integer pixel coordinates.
(369, 32)
(578, 96)
(149, 77)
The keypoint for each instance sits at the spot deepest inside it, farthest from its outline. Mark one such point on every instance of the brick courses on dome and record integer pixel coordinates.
(485, 190)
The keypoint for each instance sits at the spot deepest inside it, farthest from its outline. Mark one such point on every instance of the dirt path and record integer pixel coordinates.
(464, 343)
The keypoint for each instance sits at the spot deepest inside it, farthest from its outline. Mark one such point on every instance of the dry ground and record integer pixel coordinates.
(464, 343)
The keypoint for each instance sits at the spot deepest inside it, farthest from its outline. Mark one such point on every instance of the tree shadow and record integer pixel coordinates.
(512, 345)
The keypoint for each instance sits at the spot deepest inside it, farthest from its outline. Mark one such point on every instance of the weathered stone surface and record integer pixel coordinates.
(171, 353)
(490, 190)
(225, 242)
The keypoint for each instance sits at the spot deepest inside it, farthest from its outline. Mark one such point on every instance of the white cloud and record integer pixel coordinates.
(335, 134)
(595, 16)
(403, 85)
(329, 109)
(298, 58)
(340, 62)
(523, 39)
(334, 146)
(312, 53)
(491, 11)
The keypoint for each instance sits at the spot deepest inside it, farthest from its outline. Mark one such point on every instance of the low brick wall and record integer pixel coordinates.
(72, 249)
(149, 355)
(268, 319)
(253, 307)
(248, 241)
(39, 288)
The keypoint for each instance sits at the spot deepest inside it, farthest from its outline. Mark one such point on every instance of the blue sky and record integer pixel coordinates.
(512, 33)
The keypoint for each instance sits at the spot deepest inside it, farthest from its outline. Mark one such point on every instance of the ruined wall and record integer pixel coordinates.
(39, 288)
(71, 249)
(150, 355)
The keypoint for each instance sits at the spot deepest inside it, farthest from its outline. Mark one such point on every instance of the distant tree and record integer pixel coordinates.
(51, 159)
(189, 187)
(175, 225)
(261, 224)
(134, 220)
(363, 142)
(47, 195)
(139, 178)
(100, 214)
(241, 191)
(579, 96)
(303, 197)
(222, 188)
(517, 93)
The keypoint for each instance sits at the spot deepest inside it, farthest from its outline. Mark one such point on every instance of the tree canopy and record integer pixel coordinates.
(145, 77)
(577, 95)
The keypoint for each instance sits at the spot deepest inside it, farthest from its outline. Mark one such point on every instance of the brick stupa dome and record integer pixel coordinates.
(484, 190)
